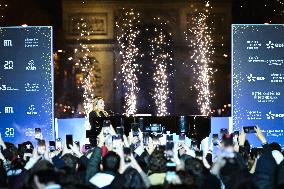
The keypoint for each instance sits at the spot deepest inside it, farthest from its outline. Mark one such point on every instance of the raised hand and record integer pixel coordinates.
(66, 151)
(35, 157)
(1, 156)
(260, 135)
(112, 131)
(125, 141)
(76, 150)
(101, 139)
(242, 138)
(218, 165)
(151, 146)
(130, 137)
(2, 143)
(46, 155)
(135, 164)
(140, 136)
(175, 150)
(35, 153)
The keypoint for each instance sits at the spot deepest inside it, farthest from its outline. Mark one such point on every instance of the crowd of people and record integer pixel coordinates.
(128, 162)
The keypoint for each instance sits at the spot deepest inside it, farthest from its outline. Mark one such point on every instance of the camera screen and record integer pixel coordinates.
(249, 129)
(135, 130)
(58, 143)
(155, 128)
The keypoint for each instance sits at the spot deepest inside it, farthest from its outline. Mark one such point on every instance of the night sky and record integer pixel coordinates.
(40, 12)
(33, 12)
(258, 11)
(49, 12)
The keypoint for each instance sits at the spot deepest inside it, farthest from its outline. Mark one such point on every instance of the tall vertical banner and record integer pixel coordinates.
(258, 80)
(26, 83)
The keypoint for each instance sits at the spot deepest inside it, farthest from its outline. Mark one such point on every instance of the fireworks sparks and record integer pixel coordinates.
(280, 2)
(201, 42)
(3, 6)
(127, 34)
(160, 58)
(86, 65)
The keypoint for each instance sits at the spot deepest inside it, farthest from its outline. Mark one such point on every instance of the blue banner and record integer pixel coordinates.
(258, 80)
(26, 83)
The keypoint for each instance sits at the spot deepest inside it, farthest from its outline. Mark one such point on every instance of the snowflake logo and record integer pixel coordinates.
(270, 45)
(270, 115)
(251, 78)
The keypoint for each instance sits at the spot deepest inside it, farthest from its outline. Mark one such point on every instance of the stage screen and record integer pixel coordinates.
(26, 83)
(258, 80)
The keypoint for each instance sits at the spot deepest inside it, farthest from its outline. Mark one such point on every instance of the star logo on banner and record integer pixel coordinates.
(251, 78)
(270, 115)
(270, 45)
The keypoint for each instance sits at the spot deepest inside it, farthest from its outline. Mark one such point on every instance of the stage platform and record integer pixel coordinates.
(77, 127)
